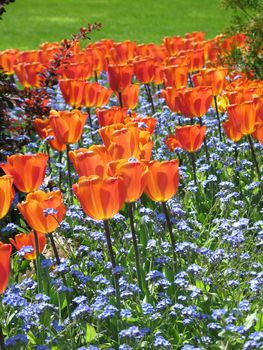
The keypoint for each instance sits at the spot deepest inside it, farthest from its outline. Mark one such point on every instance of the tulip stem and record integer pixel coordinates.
(148, 91)
(192, 157)
(254, 158)
(205, 144)
(218, 119)
(69, 175)
(90, 122)
(135, 245)
(96, 75)
(60, 170)
(2, 339)
(50, 235)
(113, 262)
(120, 99)
(39, 283)
(170, 229)
(48, 153)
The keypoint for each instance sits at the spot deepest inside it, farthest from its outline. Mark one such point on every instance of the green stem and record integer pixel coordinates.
(192, 157)
(218, 119)
(2, 339)
(50, 235)
(135, 245)
(120, 99)
(205, 144)
(170, 229)
(96, 75)
(69, 175)
(147, 86)
(254, 157)
(38, 267)
(90, 122)
(60, 171)
(113, 262)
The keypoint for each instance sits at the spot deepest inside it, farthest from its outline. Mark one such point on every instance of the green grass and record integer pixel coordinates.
(28, 23)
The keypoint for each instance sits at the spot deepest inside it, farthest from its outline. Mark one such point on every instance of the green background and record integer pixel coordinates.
(28, 23)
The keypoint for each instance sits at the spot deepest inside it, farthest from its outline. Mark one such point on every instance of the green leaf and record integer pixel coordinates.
(250, 320)
(90, 333)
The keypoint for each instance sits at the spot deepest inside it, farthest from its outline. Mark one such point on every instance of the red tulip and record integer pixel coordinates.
(5, 253)
(27, 170)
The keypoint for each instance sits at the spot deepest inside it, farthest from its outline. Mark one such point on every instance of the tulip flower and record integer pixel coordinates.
(123, 52)
(190, 137)
(194, 102)
(44, 130)
(113, 115)
(144, 70)
(214, 77)
(231, 132)
(7, 194)
(91, 161)
(72, 91)
(169, 94)
(5, 253)
(133, 174)
(29, 74)
(120, 76)
(176, 76)
(28, 170)
(77, 71)
(28, 239)
(100, 198)
(243, 117)
(130, 96)
(43, 211)
(67, 126)
(162, 182)
(7, 60)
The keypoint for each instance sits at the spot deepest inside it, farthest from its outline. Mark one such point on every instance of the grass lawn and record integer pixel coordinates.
(28, 23)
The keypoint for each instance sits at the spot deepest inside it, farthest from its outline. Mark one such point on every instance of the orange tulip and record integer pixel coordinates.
(44, 130)
(243, 117)
(27, 239)
(214, 77)
(162, 180)
(72, 91)
(144, 123)
(28, 170)
(91, 161)
(190, 137)
(67, 126)
(176, 76)
(27, 56)
(113, 115)
(158, 74)
(130, 96)
(100, 198)
(123, 52)
(103, 96)
(169, 94)
(144, 70)
(194, 102)
(43, 211)
(173, 45)
(78, 71)
(7, 194)
(120, 76)
(5, 253)
(172, 142)
(29, 74)
(133, 175)
(7, 60)
(231, 132)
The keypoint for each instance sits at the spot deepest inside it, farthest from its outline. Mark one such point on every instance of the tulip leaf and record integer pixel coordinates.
(90, 333)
